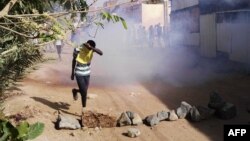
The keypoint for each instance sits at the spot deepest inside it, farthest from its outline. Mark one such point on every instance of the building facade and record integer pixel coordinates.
(213, 27)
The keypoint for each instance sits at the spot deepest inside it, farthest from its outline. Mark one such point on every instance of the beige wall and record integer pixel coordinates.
(152, 14)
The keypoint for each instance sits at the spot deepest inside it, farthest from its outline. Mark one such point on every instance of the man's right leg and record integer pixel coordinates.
(82, 82)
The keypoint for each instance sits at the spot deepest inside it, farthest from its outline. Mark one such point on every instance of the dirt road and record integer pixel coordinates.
(48, 89)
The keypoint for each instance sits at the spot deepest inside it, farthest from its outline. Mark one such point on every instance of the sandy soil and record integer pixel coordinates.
(48, 89)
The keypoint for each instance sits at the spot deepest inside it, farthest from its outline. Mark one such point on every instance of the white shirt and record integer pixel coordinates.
(58, 42)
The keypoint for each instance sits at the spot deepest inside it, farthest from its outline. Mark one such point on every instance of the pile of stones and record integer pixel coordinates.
(216, 106)
(223, 110)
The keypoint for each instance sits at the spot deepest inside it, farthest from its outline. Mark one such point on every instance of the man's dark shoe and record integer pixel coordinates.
(74, 92)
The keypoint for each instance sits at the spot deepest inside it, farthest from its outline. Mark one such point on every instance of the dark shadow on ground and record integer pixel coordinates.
(73, 114)
(54, 105)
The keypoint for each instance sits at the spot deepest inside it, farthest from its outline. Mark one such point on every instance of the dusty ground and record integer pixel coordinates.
(48, 89)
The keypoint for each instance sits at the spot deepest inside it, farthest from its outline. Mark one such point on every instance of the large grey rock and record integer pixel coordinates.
(228, 111)
(136, 120)
(67, 122)
(183, 110)
(163, 115)
(133, 132)
(130, 114)
(172, 116)
(152, 120)
(124, 120)
(205, 112)
(216, 101)
(194, 114)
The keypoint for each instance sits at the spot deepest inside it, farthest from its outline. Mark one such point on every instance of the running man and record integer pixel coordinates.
(81, 68)
(59, 45)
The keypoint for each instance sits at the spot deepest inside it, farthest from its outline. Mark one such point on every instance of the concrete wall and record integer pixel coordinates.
(240, 42)
(224, 37)
(192, 39)
(185, 39)
(208, 35)
(181, 4)
(233, 37)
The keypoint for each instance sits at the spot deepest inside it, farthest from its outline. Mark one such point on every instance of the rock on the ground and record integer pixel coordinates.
(152, 120)
(136, 120)
(163, 115)
(183, 110)
(124, 120)
(194, 114)
(172, 116)
(216, 101)
(97, 129)
(72, 134)
(67, 122)
(130, 114)
(133, 132)
(228, 111)
(205, 112)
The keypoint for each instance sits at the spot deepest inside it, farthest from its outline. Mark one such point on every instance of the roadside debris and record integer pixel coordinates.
(152, 120)
(129, 118)
(183, 110)
(124, 120)
(216, 101)
(223, 109)
(67, 122)
(27, 112)
(195, 114)
(133, 132)
(163, 115)
(205, 112)
(173, 116)
(228, 111)
(72, 134)
(89, 119)
(93, 119)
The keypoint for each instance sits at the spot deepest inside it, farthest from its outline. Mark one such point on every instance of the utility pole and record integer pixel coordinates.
(166, 23)
(166, 13)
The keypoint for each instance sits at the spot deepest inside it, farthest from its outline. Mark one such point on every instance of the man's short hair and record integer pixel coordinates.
(92, 43)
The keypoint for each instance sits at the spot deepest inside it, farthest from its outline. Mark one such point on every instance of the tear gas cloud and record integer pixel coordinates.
(130, 57)
(129, 61)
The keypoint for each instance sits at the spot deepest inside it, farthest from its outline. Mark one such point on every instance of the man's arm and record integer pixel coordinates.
(73, 64)
(98, 51)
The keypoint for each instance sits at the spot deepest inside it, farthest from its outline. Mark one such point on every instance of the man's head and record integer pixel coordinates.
(91, 43)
